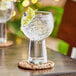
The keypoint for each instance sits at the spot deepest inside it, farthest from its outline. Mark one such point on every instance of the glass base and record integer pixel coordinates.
(37, 52)
(37, 60)
(3, 40)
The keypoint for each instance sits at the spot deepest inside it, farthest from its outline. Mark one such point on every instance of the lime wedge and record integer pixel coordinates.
(28, 16)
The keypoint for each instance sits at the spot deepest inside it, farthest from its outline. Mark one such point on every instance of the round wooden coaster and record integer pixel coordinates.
(7, 44)
(26, 65)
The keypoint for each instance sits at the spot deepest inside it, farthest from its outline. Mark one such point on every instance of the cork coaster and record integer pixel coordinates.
(26, 65)
(7, 44)
(36, 72)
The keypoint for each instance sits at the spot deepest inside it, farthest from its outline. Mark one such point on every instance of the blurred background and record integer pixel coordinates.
(63, 37)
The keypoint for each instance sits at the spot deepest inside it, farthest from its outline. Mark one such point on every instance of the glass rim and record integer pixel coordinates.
(46, 12)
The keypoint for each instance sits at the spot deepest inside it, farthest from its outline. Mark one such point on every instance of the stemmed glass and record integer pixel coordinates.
(37, 30)
(6, 11)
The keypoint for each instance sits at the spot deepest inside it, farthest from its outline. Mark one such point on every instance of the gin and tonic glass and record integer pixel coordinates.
(6, 11)
(37, 30)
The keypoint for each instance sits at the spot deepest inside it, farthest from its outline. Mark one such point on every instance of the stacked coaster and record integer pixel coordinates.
(7, 44)
(26, 65)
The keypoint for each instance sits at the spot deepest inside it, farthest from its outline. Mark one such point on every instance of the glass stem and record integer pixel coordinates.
(3, 35)
(37, 52)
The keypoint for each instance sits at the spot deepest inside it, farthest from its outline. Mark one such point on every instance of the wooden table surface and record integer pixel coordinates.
(9, 58)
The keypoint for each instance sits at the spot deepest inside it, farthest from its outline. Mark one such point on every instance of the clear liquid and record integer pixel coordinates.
(40, 27)
(5, 15)
(6, 11)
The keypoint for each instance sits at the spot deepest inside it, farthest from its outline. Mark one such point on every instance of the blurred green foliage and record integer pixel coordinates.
(63, 47)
